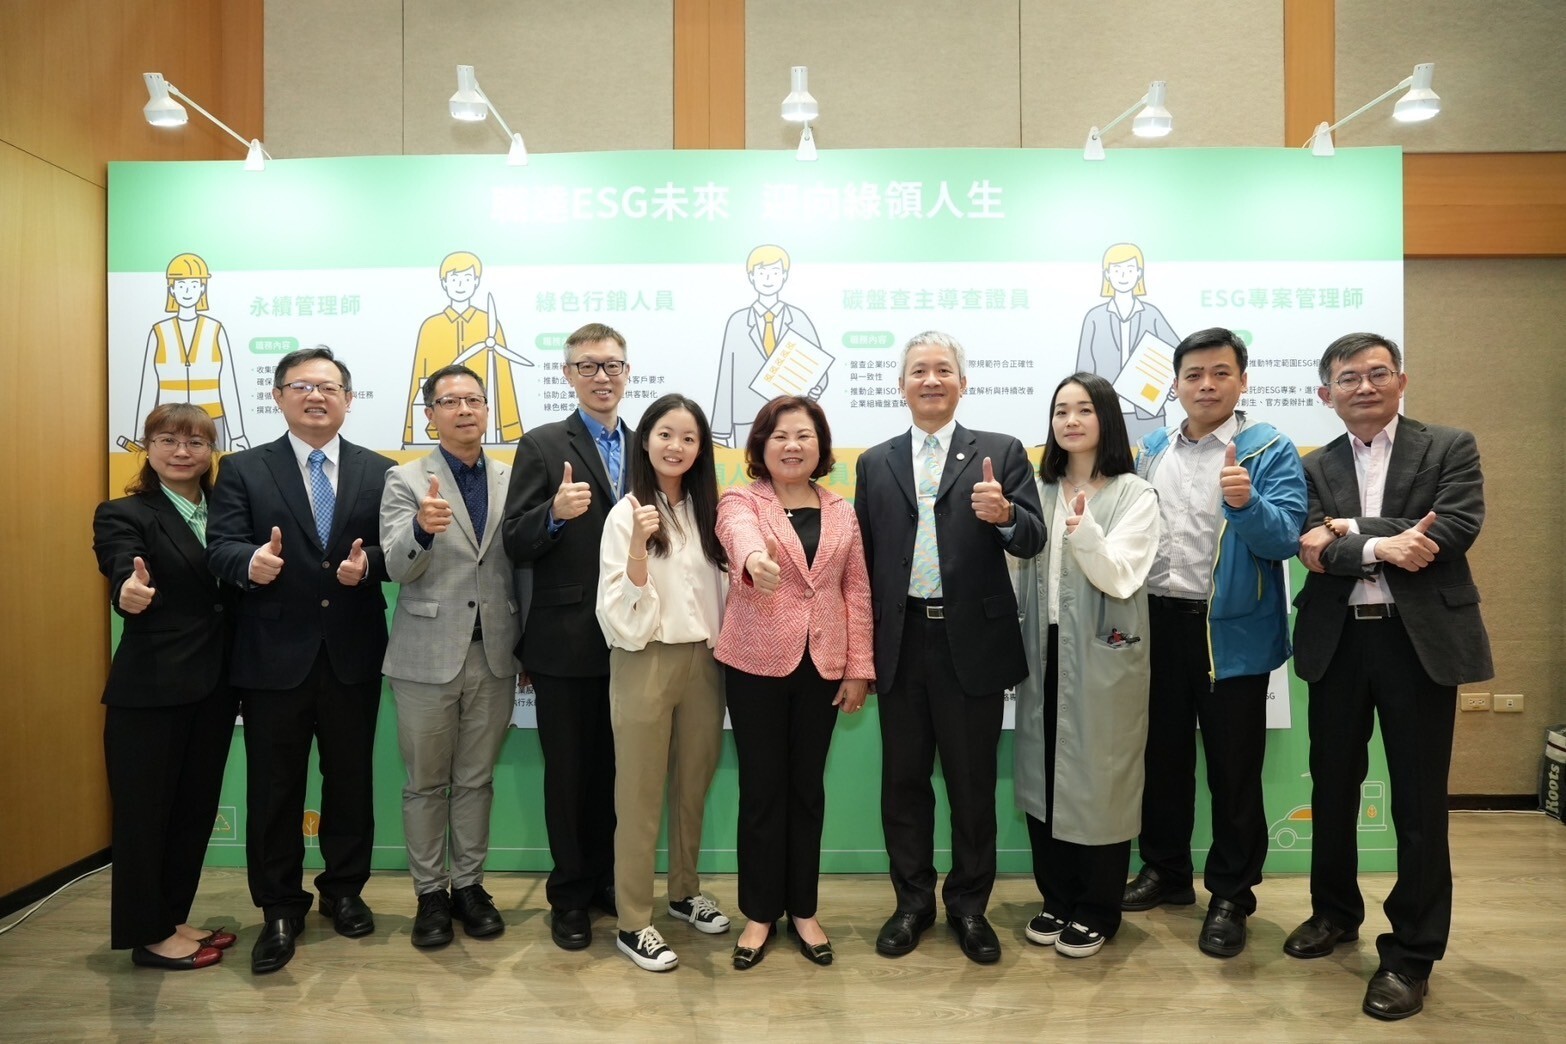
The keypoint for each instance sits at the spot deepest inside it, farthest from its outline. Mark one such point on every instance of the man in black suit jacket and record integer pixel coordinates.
(295, 525)
(938, 517)
(567, 475)
(1388, 624)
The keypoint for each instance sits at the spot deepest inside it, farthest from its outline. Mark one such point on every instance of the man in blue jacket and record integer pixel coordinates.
(1232, 496)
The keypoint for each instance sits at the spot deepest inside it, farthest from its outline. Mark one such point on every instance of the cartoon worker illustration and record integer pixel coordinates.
(1113, 331)
(188, 357)
(770, 348)
(461, 333)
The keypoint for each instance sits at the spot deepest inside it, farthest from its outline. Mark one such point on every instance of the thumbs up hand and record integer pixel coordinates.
(989, 499)
(572, 498)
(1078, 509)
(434, 511)
(1411, 549)
(267, 562)
(137, 590)
(355, 567)
(763, 568)
(644, 523)
(1234, 480)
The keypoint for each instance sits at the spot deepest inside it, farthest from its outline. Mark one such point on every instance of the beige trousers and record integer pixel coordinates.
(666, 706)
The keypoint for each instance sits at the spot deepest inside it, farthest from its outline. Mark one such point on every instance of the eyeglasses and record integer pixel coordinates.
(588, 368)
(169, 442)
(328, 388)
(451, 402)
(1378, 378)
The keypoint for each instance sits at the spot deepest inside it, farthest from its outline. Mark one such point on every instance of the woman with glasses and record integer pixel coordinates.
(170, 710)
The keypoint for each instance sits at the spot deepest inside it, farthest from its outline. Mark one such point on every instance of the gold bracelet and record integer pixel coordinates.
(1327, 522)
(636, 558)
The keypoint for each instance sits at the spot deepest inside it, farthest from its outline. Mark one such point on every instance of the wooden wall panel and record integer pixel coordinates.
(1484, 204)
(1309, 67)
(709, 74)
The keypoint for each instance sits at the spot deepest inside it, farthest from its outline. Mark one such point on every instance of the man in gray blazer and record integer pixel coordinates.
(450, 660)
(1388, 625)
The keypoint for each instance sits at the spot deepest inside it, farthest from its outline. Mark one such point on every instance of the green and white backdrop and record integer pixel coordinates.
(1005, 249)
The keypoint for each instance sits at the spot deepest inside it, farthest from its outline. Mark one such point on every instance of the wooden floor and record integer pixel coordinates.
(1504, 977)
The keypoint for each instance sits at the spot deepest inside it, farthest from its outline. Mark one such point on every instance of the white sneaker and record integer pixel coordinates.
(1078, 940)
(702, 913)
(647, 949)
(1044, 929)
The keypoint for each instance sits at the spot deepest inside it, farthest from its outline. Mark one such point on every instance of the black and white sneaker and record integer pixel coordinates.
(648, 950)
(1044, 929)
(702, 913)
(1078, 940)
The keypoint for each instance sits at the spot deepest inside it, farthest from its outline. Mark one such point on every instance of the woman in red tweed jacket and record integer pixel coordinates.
(796, 645)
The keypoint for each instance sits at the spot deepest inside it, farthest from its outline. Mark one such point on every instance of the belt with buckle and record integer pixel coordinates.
(932, 608)
(1179, 605)
(1374, 611)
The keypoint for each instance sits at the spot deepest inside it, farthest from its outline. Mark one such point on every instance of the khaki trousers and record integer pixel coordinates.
(666, 706)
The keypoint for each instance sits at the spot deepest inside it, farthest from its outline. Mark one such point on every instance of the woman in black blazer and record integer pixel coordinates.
(170, 710)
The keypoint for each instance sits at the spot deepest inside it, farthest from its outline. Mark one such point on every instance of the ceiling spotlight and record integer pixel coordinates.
(471, 105)
(1152, 121)
(162, 110)
(1419, 104)
(800, 107)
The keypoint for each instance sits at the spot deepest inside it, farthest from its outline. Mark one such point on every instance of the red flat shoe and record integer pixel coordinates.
(218, 939)
(204, 957)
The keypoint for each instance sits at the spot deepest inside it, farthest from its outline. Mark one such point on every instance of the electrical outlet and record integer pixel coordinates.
(1508, 704)
(1474, 701)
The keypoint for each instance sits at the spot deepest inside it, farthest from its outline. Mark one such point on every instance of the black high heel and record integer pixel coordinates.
(747, 957)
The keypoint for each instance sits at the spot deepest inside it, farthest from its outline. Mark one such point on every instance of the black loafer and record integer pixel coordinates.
(350, 915)
(275, 945)
(1317, 937)
(475, 908)
(1150, 889)
(747, 957)
(820, 953)
(900, 934)
(571, 929)
(1223, 933)
(976, 937)
(432, 924)
(1392, 996)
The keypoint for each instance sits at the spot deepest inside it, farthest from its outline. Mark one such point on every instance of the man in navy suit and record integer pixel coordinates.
(939, 507)
(295, 526)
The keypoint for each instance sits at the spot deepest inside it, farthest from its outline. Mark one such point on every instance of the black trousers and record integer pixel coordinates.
(1376, 672)
(782, 733)
(1233, 717)
(279, 725)
(165, 768)
(925, 711)
(1081, 883)
(577, 739)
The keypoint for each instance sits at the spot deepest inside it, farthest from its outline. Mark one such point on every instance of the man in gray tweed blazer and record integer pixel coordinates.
(450, 660)
(1387, 626)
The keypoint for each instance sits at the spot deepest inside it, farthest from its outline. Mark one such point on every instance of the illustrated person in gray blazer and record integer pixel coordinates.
(450, 660)
(1387, 626)
(1111, 331)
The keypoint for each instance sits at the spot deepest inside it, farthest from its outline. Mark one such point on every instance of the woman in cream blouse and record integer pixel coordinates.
(662, 583)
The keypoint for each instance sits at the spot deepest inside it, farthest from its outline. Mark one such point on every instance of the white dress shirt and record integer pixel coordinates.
(682, 600)
(1370, 468)
(1188, 501)
(302, 451)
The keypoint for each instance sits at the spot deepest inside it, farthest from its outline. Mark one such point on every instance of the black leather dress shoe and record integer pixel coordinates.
(571, 929)
(1316, 938)
(350, 915)
(1223, 933)
(275, 945)
(475, 908)
(976, 937)
(603, 899)
(204, 957)
(1150, 889)
(819, 953)
(900, 934)
(432, 924)
(1394, 996)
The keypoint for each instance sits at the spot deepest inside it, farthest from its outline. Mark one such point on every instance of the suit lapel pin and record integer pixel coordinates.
(960, 456)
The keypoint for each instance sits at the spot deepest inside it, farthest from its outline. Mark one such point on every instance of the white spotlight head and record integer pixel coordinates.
(255, 159)
(1321, 141)
(468, 103)
(161, 110)
(1420, 103)
(799, 106)
(517, 157)
(1094, 149)
(1154, 120)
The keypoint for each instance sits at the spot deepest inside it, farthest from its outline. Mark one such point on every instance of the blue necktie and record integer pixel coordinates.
(924, 579)
(321, 496)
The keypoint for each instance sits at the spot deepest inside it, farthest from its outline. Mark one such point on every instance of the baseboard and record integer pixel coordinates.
(1493, 802)
(29, 894)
